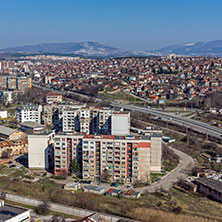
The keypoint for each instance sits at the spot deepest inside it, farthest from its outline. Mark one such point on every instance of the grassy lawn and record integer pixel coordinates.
(123, 97)
(155, 176)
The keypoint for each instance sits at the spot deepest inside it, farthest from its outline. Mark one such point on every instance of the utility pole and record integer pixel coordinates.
(188, 137)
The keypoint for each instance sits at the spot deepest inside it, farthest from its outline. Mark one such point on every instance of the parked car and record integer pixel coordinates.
(11, 166)
(116, 184)
(112, 184)
(158, 180)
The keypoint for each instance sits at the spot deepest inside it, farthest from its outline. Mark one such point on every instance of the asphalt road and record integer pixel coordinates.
(187, 122)
(166, 182)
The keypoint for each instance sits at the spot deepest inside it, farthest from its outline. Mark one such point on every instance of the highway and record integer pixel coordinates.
(183, 121)
(190, 123)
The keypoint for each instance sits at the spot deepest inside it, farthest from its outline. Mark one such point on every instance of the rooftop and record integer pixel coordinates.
(7, 212)
(211, 183)
(6, 130)
(31, 124)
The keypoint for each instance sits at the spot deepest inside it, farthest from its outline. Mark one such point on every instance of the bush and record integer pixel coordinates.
(43, 208)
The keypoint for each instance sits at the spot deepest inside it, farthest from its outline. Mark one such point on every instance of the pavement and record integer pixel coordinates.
(166, 182)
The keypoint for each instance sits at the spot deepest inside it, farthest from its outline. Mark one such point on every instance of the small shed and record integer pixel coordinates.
(94, 189)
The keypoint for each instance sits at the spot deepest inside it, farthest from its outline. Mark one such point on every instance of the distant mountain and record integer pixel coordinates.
(77, 48)
(212, 48)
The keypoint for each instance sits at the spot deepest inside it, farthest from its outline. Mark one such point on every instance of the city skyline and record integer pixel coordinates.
(129, 25)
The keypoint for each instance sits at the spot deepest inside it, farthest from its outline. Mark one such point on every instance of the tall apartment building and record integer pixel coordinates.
(123, 158)
(47, 115)
(40, 150)
(29, 113)
(95, 121)
(70, 120)
(66, 148)
(15, 83)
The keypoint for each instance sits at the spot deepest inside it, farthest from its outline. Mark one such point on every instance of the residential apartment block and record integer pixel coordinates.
(29, 113)
(66, 148)
(122, 158)
(41, 150)
(53, 97)
(15, 83)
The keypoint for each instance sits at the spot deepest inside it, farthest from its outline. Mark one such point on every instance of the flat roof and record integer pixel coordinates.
(96, 188)
(6, 130)
(31, 124)
(211, 183)
(7, 212)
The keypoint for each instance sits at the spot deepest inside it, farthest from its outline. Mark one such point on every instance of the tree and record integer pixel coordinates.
(105, 176)
(43, 208)
(75, 167)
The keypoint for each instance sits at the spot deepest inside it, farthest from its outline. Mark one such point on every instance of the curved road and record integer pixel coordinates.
(181, 171)
(190, 123)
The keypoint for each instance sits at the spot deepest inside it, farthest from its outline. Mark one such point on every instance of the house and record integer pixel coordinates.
(132, 194)
(210, 187)
(72, 186)
(13, 147)
(112, 192)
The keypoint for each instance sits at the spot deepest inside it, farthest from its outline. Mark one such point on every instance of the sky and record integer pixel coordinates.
(126, 24)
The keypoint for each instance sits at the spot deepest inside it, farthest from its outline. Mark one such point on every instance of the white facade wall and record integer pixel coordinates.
(39, 151)
(3, 114)
(26, 114)
(156, 154)
(21, 217)
(120, 124)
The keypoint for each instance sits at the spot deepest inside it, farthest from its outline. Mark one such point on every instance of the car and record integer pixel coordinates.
(129, 186)
(99, 183)
(10, 162)
(158, 180)
(11, 166)
(89, 181)
(116, 184)
(112, 184)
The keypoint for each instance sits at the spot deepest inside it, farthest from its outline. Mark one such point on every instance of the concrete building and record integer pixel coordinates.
(29, 113)
(53, 97)
(118, 158)
(40, 150)
(47, 115)
(210, 187)
(3, 114)
(30, 127)
(7, 133)
(123, 158)
(66, 148)
(70, 120)
(13, 147)
(120, 123)
(15, 83)
(9, 213)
